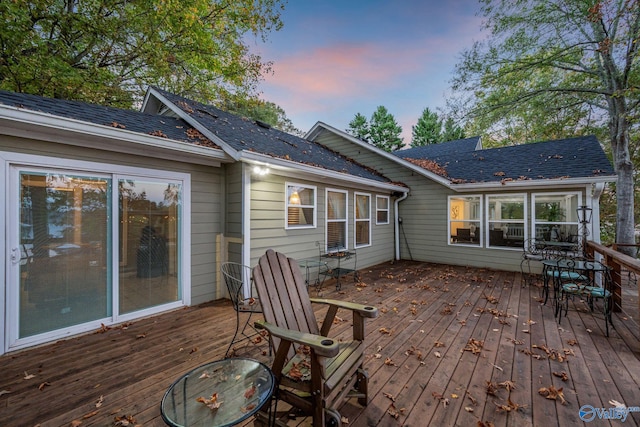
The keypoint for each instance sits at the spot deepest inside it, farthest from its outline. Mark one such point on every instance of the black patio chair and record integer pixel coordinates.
(235, 276)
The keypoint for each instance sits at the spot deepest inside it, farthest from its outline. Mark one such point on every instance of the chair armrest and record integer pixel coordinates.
(364, 310)
(322, 346)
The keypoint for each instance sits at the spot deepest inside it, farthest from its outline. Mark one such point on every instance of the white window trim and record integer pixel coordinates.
(327, 220)
(387, 210)
(356, 220)
(9, 160)
(314, 206)
(525, 214)
(533, 209)
(479, 220)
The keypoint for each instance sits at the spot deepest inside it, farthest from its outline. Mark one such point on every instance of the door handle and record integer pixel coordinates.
(15, 255)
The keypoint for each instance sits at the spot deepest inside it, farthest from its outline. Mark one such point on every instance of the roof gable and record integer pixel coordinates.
(242, 134)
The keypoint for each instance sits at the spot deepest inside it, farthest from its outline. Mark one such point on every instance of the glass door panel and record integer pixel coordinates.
(64, 246)
(149, 236)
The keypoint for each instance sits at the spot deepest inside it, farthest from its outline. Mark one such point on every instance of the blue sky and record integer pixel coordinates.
(336, 58)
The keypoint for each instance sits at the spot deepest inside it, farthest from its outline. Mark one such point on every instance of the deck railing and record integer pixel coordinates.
(622, 265)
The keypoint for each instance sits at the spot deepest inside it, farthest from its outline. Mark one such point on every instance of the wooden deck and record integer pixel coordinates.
(452, 346)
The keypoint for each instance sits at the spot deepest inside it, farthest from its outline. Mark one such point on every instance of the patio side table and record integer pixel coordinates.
(240, 386)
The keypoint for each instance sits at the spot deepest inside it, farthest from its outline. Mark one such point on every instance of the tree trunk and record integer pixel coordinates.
(619, 130)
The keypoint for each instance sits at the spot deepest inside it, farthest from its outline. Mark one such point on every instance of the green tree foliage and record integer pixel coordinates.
(359, 127)
(554, 68)
(108, 52)
(382, 130)
(428, 129)
(451, 131)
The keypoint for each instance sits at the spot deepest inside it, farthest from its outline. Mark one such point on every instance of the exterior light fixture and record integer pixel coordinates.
(260, 170)
(584, 217)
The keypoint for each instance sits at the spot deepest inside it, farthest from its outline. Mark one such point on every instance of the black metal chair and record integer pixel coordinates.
(235, 276)
(531, 251)
(585, 279)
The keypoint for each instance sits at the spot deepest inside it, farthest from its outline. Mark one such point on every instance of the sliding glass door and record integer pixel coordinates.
(88, 248)
(64, 248)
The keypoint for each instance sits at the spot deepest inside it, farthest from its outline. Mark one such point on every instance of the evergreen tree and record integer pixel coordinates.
(427, 130)
(384, 131)
(359, 127)
(451, 131)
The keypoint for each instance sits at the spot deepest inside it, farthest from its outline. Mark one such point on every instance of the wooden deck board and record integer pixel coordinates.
(124, 371)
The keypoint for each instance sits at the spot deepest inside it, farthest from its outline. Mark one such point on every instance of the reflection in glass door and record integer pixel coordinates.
(64, 246)
(149, 224)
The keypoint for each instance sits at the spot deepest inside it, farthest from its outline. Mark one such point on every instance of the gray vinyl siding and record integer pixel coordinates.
(268, 224)
(424, 228)
(206, 190)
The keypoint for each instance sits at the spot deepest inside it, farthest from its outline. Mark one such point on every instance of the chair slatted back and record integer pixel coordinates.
(283, 292)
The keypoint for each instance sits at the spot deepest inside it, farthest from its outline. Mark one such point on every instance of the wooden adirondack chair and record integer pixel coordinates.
(315, 373)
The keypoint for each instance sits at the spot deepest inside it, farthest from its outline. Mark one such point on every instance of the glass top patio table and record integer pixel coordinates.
(238, 387)
(568, 263)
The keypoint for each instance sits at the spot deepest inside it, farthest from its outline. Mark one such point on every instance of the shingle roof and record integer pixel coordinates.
(440, 149)
(131, 120)
(244, 134)
(579, 157)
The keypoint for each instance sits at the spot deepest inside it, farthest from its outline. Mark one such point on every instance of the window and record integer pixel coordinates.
(300, 204)
(464, 220)
(506, 220)
(382, 210)
(336, 220)
(555, 217)
(362, 207)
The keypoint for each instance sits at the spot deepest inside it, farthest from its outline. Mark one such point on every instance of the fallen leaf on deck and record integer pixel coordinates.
(90, 414)
(562, 375)
(385, 331)
(438, 344)
(28, 376)
(572, 342)
(43, 385)
(617, 404)
(100, 401)
(389, 362)
(389, 396)
(75, 423)
(491, 388)
(344, 420)
(508, 385)
(468, 408)
(553, 393)
(437, 354)
(474, 346)
(473, 400)
(4, 392)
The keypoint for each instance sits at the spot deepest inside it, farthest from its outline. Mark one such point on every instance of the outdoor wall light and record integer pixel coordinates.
(260, 170)
(584, 214)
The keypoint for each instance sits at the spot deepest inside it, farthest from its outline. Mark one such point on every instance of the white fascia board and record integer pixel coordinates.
(299, 170)
(30, 124)
(539, 184)
(317, 128)
(195, 123)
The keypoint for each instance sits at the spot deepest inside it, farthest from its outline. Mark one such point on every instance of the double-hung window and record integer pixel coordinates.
(555, 217)
(362, 207)
(382, 210)
(506, 215)
(464, 220)
(300, 203)
(336, 220)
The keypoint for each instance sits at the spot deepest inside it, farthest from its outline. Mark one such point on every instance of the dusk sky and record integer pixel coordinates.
(333, 59)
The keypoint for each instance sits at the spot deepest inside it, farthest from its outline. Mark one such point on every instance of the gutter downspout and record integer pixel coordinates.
(396, 224)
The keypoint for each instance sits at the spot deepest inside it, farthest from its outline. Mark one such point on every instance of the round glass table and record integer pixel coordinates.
(217, 394)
